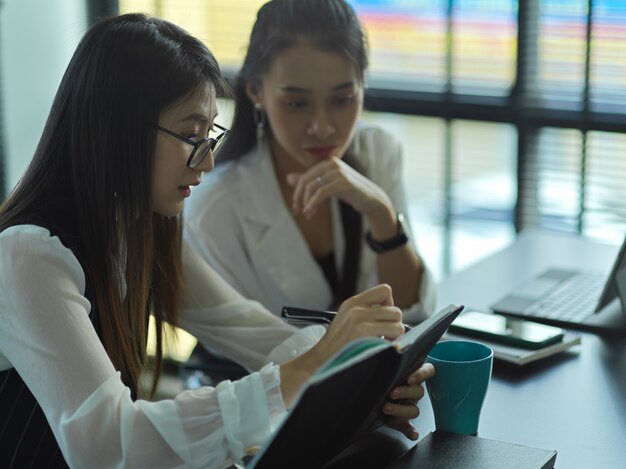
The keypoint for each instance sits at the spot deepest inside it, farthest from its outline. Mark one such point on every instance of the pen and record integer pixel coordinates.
(302, 316)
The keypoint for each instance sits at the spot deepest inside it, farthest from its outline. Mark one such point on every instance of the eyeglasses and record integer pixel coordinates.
(201, 148)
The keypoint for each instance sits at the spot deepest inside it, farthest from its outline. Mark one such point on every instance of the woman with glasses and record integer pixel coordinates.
(90, 246)
(311, 205)
(202, 147)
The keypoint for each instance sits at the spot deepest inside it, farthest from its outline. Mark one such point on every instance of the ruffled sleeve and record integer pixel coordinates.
(47, 336)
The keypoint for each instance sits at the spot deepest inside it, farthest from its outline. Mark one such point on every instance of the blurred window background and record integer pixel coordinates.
(512, 113)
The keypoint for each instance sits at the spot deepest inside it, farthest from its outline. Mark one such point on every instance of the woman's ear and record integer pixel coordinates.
(252, 91)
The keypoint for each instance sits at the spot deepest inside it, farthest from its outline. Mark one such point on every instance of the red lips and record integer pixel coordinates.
(322, 152)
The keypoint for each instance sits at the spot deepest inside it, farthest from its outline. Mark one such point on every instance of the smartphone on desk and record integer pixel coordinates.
(509, 331)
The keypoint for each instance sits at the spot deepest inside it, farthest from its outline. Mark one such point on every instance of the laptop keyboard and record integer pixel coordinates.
(574, 300)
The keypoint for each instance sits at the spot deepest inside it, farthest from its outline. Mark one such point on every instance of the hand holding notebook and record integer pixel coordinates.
(344, 397)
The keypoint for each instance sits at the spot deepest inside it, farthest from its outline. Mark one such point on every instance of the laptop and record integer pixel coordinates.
(572, 299)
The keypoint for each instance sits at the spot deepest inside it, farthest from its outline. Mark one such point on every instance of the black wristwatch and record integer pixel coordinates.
(397, 240)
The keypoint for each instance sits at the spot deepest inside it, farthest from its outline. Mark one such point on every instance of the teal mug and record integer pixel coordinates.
(458, 389)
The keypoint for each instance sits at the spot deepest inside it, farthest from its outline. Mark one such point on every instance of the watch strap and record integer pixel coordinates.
(397, 240)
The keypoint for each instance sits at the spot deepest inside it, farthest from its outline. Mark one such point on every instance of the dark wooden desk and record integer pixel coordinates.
(575, 402)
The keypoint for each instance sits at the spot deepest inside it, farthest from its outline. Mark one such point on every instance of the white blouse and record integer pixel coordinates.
(257, 246)
(47, 336)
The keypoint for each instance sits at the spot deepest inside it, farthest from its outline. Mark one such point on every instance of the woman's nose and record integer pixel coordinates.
(321, 125)
(207, 164)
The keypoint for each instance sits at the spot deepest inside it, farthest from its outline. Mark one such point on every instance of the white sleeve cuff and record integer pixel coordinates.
(204, 427)
(297, 344)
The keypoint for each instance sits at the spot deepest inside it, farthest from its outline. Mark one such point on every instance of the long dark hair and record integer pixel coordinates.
(97, 149)
(329, 25)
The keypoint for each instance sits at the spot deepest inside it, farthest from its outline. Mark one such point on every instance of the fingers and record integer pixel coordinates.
(412, 392)
(404, 426)
(368, 314)
(371, 313)
(410, 432)
(379, 324)
(379, 295)
(405, 398)
(413, 389)
(400, 416)
(314, 196)
(335, 178)
(377, 321)
(405, 409)
(424, 372)
(312, 189)
(315, 185)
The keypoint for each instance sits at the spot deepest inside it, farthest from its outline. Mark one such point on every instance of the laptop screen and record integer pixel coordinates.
(610, 289)
(620, 280)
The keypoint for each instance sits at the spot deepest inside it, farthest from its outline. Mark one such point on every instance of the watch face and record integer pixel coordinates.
(402, 223)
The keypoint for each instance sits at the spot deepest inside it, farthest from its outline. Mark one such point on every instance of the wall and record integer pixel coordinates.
(37, 39)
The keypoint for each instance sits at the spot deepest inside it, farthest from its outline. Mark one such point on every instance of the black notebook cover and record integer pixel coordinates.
(343, 399)
(443, 450)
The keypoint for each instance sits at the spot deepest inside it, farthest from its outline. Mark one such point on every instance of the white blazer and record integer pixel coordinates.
(237, 221)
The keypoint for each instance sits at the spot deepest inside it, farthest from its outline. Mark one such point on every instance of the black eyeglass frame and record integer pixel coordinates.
(197, 144)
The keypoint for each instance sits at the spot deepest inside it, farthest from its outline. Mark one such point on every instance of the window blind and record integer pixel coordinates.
(526, 102)
(573, 169)
(608, 56)
(224, 25)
